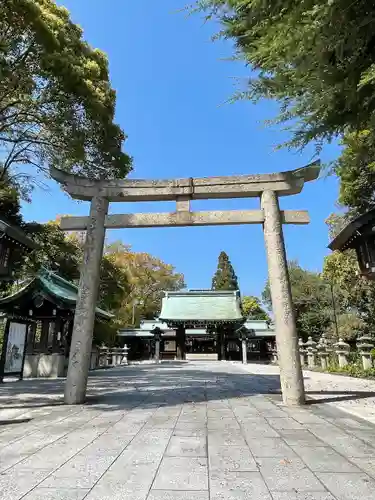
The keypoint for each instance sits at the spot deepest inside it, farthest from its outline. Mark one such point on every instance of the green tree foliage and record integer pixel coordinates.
(56, 103)
(356, 169)
(253, 309)
(316, 58)
(224, 278)
(357, 294)
(337, 222)
(312, 301)
(148, 278)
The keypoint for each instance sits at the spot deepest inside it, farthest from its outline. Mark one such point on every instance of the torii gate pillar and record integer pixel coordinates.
(291, 378)
(84, 317)
(267, 187)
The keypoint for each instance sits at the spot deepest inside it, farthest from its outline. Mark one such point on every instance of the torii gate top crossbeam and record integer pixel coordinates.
(236, 186)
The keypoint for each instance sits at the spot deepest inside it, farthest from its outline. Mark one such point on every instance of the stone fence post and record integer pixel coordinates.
(103, 356)
(364, 345)
(342, 350)
(302, 352)
(311, 352)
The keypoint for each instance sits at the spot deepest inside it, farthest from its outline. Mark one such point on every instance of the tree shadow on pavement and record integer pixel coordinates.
(143, 386)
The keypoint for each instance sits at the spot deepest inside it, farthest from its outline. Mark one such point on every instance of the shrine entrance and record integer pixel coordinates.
(268, 187)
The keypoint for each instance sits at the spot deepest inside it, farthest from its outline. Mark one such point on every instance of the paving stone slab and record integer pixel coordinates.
(187, 446)
(366, 464)
(178, 495)
(132, 481)
(270, 448)
(238, 485)
(187, 431)
(301, 438)
(82, 471)
(324, 460)
(349, 486)
(182, 473)
(228, 424)
(288, 475)
(284, 423)
(289, 495)
(227, 438)
(56, 494)
(233, 458)
(15, 483)
(351, 446)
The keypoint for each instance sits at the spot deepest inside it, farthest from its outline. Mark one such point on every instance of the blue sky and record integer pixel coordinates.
(172, 83)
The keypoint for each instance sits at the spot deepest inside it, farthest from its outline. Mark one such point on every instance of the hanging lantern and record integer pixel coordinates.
(359, 235)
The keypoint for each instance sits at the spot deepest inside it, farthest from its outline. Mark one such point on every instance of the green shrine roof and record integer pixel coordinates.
(204, 307)
(50, 284)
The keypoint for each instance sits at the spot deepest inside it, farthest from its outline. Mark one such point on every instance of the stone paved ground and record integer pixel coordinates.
(353, 395)
(196, 431)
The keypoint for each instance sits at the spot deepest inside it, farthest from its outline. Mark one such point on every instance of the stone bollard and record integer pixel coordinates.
(302, 352)
(342, 350)
(322, 352)
(364, 345)
(311, 352)
(114, 356)
(125, 350)
(103, 356)
(157, 347)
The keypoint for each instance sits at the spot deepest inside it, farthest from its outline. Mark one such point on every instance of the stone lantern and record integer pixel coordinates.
(359, 234)
(311, 352)
(13, 243)
(342, 351)
(364, 345)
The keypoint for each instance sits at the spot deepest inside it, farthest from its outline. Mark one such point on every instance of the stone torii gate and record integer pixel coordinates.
(267, 187)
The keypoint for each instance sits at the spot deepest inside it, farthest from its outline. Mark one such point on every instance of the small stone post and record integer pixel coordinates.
(311, 352)
(322, 352)
(302, 352)
(364, 345)
(342, 351)
(84, 317)
(114, 356)
(103, 356)
(125, 350)
(157, 337)
(244, 348)
(291, 377)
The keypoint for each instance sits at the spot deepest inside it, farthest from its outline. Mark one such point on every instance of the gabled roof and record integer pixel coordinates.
(346, 238)
(51, 284)
(16, 235)
(201, 307)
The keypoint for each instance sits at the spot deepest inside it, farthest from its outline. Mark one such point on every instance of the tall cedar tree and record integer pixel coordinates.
(225, 278)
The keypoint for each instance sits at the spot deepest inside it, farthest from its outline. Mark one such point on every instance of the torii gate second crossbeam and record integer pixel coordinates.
(267, 187)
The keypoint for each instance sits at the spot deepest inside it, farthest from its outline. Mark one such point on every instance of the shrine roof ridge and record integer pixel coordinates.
(55, 286)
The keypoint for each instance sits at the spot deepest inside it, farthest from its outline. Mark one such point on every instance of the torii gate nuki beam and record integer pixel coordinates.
(267, 187)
